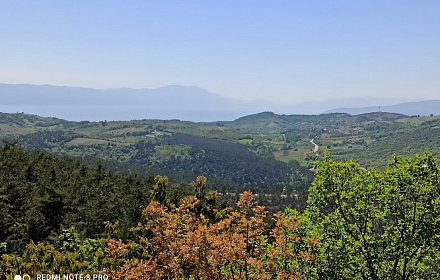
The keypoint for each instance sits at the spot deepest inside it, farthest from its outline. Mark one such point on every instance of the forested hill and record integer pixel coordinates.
(266, 152)
(177, 149)
(41, 194)
(269, 121)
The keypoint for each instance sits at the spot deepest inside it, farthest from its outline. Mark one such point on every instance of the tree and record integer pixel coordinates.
(377, 224)
(180, 243)
(159, 191)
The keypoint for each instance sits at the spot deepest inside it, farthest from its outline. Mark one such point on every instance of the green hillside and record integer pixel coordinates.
(173, 145)
(266, 139)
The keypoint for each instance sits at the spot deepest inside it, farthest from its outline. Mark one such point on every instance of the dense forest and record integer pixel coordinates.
(42, 194)
(62, 217)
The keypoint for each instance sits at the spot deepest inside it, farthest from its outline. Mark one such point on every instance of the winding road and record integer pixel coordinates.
(316, 146)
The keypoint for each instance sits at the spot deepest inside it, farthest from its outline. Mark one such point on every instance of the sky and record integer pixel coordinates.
(286, 52)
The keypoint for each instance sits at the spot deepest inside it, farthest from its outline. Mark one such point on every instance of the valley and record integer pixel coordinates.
(216, 149)
(286, 137)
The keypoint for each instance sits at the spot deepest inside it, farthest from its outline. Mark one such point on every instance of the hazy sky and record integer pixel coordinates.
(285, 51)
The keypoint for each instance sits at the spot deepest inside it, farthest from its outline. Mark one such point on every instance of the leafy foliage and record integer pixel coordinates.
(377, 224)
(359, 224)
(177, 243)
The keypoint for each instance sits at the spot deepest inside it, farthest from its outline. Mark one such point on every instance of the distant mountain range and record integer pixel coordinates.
(174, 102)
(76, 104)
(420, 108)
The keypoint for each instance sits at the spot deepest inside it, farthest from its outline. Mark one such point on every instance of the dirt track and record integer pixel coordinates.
(316, 146)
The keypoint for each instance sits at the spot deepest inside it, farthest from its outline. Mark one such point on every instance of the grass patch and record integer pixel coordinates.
(88, 141)
(166, 152)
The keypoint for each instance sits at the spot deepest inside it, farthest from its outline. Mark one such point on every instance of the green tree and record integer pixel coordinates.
(159, 192)
(377, 224)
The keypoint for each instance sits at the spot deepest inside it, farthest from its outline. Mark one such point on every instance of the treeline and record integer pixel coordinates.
(46, 140)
